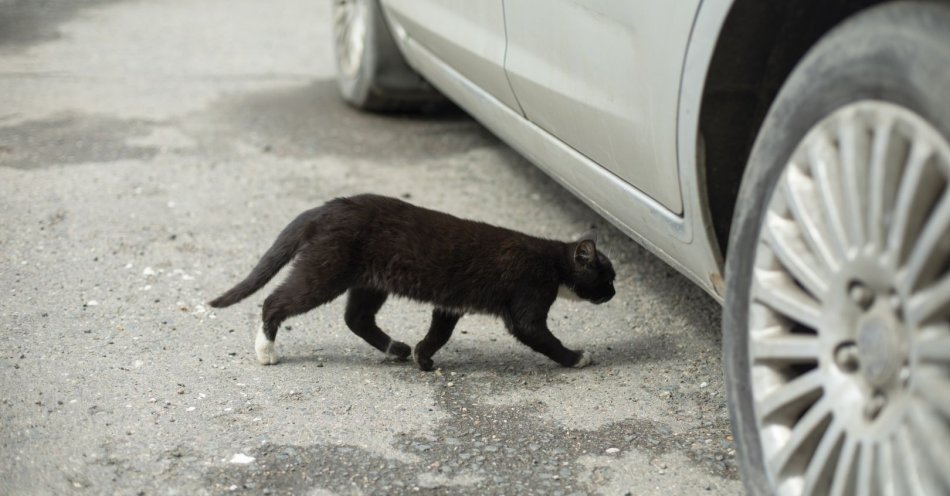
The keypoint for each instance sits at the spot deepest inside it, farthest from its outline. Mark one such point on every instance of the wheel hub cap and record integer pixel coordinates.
(879, 351)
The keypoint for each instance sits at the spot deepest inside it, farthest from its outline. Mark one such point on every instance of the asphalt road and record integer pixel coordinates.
(151, 151)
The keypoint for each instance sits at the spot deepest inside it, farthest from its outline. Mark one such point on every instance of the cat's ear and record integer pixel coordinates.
(589, 235)
(585, 252)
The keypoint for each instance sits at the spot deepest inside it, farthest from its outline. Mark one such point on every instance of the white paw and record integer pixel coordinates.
(584, 361)
(266, 354)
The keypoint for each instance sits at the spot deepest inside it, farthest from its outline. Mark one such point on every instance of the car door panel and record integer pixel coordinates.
(468, 35)
(603, 76)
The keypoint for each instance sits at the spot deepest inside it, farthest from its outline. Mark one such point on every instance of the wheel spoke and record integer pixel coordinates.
(803, 433)
(885, 470)
(777, 291)
(865, 480)
(935, 390)
(854, 145)
(887, 151)
(935, 350)
(931, 433)
(822, 465)
(915, 188)
(784, 238)
(843, 482)
(931, 248)
(786, 348)
(913, 477)
(931, 303)
(792, 397)
(826, 171)
(800, 193)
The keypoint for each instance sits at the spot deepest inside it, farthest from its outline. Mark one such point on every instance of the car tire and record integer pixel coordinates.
(372, 74)
(829, 361)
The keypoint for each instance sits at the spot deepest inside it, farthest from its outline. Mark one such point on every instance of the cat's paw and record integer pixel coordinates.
(584, 360)
(425, 364)
(399, 350)
(266, 354)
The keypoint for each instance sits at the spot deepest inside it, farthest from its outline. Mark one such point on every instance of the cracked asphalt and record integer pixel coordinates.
(150, 152)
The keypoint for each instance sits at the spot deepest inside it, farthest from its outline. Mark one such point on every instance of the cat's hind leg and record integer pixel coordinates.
(443, 323)
(361, 307)
(296, 295)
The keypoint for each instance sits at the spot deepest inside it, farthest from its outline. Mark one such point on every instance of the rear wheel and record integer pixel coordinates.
(837, 319)
(371, 72)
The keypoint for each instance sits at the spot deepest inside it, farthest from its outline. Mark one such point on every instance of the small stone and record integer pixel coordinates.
(703, 384)
(611, 451)
(241, 458)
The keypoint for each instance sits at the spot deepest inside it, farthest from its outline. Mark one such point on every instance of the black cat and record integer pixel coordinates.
(375, 246)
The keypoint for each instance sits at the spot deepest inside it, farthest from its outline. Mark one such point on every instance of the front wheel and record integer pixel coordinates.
(836, 330)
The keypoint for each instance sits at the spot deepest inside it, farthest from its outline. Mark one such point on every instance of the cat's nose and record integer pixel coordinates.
(607, 298)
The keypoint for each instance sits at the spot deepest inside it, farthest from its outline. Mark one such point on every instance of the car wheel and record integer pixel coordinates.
(371, 72)
(836, 327)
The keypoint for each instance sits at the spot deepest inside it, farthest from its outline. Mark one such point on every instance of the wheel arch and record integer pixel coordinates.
(758, 45)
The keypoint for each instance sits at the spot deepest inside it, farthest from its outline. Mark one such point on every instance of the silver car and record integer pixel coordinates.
(791, 158)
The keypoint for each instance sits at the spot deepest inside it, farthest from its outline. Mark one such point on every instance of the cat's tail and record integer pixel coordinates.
(280, 254)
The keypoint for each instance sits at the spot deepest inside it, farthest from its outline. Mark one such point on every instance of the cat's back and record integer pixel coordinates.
(394, 217)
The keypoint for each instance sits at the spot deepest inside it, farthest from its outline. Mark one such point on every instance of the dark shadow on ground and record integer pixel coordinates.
(28, 22)
(279, 123)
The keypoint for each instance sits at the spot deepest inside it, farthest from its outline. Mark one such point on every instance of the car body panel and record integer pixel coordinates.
(470, 34)
(686, 241)
(603, 76)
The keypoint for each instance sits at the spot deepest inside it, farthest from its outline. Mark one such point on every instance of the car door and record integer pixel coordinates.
(467, 35)
(603, 77)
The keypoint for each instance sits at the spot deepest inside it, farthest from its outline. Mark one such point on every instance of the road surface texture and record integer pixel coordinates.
(150, 151)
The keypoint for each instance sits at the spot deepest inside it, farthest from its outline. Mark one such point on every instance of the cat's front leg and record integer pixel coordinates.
(584, 360)
(443, 323)
(533, 331)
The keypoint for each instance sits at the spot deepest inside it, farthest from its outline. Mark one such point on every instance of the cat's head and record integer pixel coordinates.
(592, 276)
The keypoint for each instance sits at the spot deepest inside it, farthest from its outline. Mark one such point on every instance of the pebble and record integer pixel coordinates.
(611, 451)
(241, 458)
